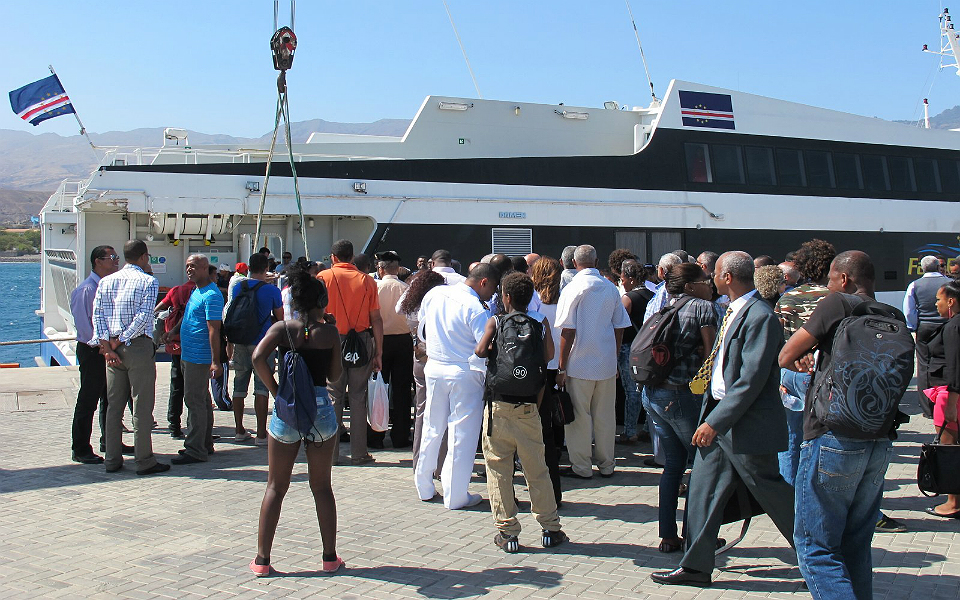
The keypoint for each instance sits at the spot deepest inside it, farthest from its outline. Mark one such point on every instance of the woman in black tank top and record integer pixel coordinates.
(317, 340)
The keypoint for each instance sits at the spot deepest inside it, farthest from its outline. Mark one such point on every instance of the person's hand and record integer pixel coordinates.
(114, 343)
(216, 370)
(806, 364)
(377, 363)
(704, 436)
(111, 358)
(561, 379)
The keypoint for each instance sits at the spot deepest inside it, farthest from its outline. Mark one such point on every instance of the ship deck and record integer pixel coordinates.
(72, 530)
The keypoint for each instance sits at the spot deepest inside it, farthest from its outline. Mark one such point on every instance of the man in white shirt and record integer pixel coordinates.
(442, 261)
(452, 321)
(660, 292)
(569, 272)
(591, 319)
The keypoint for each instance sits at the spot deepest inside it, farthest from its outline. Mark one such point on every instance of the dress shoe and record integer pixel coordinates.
(88, 459)
(681, 576)
(184, 459)
(929, 511)
(569, 472)
(157, 468)
(650, 462)
(127, 450)
(114, 469)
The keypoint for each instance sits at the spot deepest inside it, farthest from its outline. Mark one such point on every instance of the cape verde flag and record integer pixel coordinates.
(41, 100)
(702, 109)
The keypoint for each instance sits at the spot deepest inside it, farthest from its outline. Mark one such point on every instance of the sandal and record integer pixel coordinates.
(260, 570)
(667, 546)
(332, 566)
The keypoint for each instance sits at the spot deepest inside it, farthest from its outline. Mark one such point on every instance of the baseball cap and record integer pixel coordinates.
(242, 268)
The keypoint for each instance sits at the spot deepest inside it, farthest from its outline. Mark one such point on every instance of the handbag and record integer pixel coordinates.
(939, 468)
(378, 404)
(563, 407)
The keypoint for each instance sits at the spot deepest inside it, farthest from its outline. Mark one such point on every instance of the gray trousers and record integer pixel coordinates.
(135, 377)
(716, 474)
(196, 397)
(420, 405)
(352, 388)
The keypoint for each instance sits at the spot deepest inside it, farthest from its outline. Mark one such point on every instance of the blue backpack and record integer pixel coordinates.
(296, 401)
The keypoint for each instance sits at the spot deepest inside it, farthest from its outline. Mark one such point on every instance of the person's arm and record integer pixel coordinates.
(618, 336)
(951, 371)
(213, 331)
(797, 347)
(259, 357)
(910, 307)
(567, 336)
(709, 336)
(548, 348)
(143, 318)
(335, 368)
(483, 346)
(627, 303)
(376, 323)
(162, 305)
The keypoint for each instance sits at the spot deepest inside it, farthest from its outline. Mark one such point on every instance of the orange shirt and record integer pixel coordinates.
(351, 294)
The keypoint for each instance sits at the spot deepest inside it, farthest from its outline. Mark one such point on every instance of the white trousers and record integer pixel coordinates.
(454, 405)
(594, 424)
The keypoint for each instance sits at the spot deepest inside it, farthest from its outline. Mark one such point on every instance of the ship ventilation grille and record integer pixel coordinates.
(512, 241)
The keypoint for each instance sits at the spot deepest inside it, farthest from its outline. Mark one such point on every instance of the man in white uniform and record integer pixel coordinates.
(452, 321)
(591, 319)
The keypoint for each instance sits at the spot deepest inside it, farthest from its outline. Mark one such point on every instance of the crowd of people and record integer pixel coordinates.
(520, 357)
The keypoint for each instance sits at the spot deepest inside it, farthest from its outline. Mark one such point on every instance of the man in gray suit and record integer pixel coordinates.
(742, 424)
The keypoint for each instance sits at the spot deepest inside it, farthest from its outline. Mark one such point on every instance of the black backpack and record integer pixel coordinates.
(516, 366)
(242, 324)
(651, 353)
(857, 392)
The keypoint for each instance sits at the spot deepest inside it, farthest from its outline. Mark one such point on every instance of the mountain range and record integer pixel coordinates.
(32, 166)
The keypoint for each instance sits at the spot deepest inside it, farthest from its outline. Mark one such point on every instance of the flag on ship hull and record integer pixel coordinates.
(702, 109)
(41, 100)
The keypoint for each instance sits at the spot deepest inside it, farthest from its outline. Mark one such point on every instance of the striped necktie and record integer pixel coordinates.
(702, 379)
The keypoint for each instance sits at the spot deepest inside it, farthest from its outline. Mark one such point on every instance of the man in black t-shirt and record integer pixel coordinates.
(840, 479)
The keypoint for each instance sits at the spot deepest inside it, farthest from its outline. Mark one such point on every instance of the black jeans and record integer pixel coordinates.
(397, 371)
(93, 390)
(551, 439)
(175, 403)
(925, 331)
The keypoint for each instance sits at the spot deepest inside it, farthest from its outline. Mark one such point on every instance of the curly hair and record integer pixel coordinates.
(813, 259)
(615, 261)
(546, 274)
(680, 275)
(767, 280)
(306, 291)
(420, 284)
(519, 287)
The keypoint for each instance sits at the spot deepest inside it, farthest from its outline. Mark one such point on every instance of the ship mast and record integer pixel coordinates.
(949, 43)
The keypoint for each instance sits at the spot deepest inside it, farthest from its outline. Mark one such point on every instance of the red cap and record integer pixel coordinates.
(242, 268)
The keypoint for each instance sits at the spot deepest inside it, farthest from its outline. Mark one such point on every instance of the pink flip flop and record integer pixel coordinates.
(260, 570)
(332, 566)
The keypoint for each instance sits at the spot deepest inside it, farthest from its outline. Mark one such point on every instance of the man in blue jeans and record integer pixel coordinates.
(840, 479)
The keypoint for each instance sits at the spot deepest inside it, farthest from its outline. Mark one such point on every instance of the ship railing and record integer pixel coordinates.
(63, 199)
(131, 155)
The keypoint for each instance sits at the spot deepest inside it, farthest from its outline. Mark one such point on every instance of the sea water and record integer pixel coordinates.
(19, 301)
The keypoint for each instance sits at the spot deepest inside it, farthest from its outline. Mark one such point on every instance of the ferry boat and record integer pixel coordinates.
(705, 168)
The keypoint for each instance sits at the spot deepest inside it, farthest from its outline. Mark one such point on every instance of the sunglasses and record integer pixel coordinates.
(109, 256)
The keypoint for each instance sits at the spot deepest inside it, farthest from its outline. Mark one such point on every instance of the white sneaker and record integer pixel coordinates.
(261, 441)
(472, 500)
(242, 437)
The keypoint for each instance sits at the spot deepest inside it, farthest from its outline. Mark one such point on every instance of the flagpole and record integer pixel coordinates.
(83, 130)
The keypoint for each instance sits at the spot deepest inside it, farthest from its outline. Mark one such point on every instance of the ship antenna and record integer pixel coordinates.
(467, 60)
(949, 43)
(636, 33)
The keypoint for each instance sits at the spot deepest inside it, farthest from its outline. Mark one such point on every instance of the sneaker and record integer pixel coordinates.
(473, 500)
(507, 543)
(553, 538)
(888, 525)
(242, 437)
(261, 441)
(260, 570)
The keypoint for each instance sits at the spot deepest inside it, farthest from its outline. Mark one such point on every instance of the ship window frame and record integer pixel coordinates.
(771, 165)
(945, 166)
(910, 182)
(883, 167)
(856, 166)
(705, 149)
(808, 163)
(736, 152)
(936, 174)
(779, 155)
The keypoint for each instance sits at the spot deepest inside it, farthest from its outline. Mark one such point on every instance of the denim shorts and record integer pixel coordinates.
(324, 426)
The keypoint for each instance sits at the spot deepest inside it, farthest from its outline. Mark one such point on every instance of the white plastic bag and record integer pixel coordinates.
(378, 404)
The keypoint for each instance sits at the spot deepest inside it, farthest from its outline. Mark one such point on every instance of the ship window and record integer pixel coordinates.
(846, 168)
(760, 166)
(925, 170)
(901, 179)
(874, 173)
(698, 163)
(790, 167)
(949, 177)
(819, 169)
(726, 163)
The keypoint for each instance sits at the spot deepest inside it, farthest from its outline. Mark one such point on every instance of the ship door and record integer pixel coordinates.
(649, 245)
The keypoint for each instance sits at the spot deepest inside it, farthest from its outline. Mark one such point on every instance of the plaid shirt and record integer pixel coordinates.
(123, 306)
(693, 316)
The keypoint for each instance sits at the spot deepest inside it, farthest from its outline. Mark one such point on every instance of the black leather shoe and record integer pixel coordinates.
(681, 576)
(184, 459)
(569, 472)
(176, 432)
(127, 450)
(88, 459)
(607, 475)
(157, 468)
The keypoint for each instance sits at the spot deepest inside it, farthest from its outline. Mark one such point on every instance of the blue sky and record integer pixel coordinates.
(205, 65)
